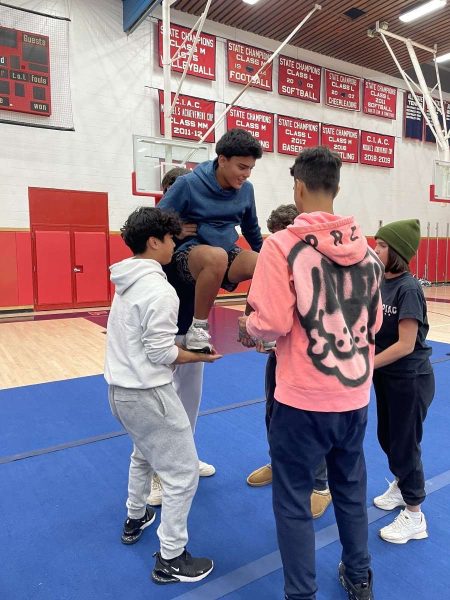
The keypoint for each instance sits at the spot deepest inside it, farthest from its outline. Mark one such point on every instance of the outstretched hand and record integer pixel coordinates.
(210, 358)
(245, 339)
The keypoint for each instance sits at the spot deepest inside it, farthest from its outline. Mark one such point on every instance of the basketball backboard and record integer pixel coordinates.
(440, 190)
(154, 156)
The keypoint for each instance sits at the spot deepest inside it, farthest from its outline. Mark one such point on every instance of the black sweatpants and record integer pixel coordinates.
(402, 405)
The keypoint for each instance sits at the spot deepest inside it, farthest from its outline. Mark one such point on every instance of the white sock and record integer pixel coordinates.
(415, 516)
(200, 322)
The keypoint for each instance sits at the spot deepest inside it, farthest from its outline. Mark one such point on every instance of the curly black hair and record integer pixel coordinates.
(170, 177)
(281, 217)
(146, 222)
(319, 169)
(238, 142)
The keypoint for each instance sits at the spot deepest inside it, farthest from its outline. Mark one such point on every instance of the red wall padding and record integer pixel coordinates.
(24, 268)
(16, 287)
(9, 295)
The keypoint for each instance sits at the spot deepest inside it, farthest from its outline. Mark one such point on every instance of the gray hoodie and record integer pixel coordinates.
(142, 326)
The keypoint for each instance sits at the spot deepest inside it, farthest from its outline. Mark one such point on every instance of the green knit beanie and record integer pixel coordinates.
(401, 236)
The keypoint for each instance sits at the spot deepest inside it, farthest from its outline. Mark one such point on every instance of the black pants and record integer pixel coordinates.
(320, 480)
(299, 440)
(402, 405)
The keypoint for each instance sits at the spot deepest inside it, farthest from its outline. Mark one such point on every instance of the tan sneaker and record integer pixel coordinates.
(155, 497)
(320, 500)
(260, 477)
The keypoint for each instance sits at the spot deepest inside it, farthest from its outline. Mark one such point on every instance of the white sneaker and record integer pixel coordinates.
(205, 470)
(198, 339)
(404, 528)
(155, 498)
(392, 498)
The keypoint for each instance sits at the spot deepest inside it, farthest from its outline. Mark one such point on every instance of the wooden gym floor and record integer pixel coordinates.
(43, 347)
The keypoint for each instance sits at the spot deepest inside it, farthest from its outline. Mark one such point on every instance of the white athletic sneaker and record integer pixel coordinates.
(404, 528)
(198, 339)
(205, 470)
(392, 498)
(155, 498)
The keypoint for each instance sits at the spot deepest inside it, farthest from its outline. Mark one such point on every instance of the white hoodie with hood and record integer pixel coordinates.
(142, 326)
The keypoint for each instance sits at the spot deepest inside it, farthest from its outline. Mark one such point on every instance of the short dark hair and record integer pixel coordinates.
(281, 217)
(395, 263)
(238, 142)
(146, 222)
(171, 176)
(319, 169)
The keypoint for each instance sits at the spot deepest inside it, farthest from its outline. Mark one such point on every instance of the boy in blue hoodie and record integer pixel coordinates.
(215, 198)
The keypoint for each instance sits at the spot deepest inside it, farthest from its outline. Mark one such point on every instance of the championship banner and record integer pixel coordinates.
(25, 72)
(377, 149)
(428, 134)
(260, 124)
(343, 140)
(191, 118)
(413, 118)
(294, 135)
(299, 79)
(342, 91)
(379, 100)
(203, 62)
(245, 61)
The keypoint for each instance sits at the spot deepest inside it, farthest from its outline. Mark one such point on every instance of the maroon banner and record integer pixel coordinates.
(343, 140)
(203, 62)
(377, 149)
(245, 61)
(191, 118)
(25, 72)
(260, 124)
(299, 79)
(342, 91)
(379, 99)
(294, 135)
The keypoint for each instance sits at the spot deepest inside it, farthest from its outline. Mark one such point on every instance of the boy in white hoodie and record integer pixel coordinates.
(140, 355)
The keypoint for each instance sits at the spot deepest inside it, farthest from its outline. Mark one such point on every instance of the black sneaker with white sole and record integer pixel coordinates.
(184, 568)
(356, 591)
(133, 528)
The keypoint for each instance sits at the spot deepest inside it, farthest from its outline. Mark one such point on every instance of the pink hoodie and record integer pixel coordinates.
(316, 292)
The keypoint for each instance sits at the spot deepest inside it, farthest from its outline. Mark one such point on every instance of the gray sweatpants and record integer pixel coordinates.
(188, 383)
(162, 441)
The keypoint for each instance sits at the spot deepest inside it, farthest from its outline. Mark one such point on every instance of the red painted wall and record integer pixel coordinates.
(16, 287)
(16, 284)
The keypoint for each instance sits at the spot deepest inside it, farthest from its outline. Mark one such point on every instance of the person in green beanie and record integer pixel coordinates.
(403, 380)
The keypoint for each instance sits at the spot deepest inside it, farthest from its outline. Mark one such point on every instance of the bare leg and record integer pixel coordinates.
(207, 265)
(242, 268)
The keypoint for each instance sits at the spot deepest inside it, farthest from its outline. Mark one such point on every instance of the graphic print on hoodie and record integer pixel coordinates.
(198, 198)
(323, 308)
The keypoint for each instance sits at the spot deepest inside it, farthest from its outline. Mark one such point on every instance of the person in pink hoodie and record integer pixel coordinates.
(323, 310)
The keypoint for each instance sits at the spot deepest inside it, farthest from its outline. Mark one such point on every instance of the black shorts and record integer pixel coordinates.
(181, 261)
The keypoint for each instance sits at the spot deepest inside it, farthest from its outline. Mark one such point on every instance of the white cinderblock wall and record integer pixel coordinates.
(114, 83)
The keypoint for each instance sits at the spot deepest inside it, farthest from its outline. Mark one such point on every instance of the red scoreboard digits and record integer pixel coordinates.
(24, 72)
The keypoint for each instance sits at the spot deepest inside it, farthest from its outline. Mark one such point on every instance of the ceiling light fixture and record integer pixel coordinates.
(251, 1)
(422, 10)
(443, 57)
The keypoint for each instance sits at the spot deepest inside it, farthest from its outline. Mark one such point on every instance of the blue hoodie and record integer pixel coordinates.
(198, 198)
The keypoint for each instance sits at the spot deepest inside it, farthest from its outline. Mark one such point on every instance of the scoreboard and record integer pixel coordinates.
(24, 72)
